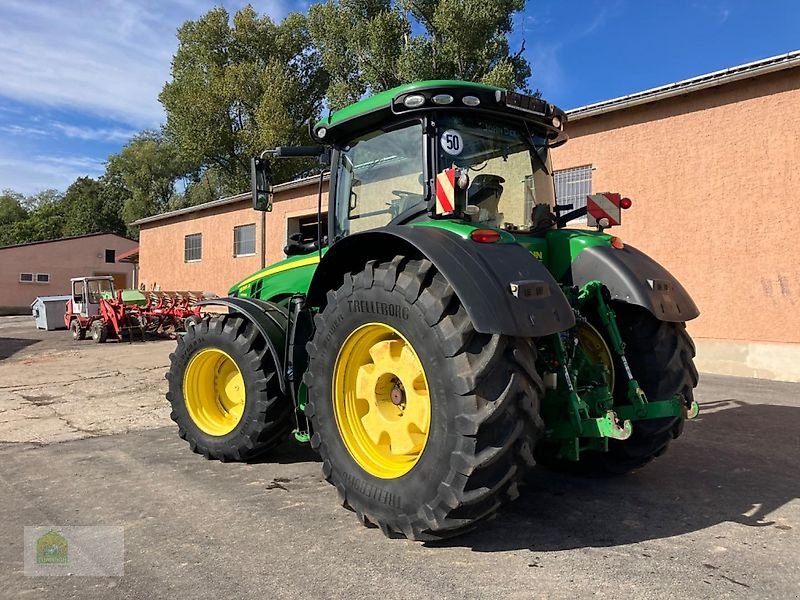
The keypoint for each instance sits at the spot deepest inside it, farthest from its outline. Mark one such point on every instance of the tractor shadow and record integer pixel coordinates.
(287, 453)
(737, 462)
(10, 346)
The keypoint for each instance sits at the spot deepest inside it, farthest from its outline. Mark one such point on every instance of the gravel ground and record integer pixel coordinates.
(85, 439)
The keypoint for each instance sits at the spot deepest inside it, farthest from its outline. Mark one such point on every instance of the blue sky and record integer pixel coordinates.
(79, 77)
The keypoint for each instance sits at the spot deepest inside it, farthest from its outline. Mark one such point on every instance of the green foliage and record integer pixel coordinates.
(373, 45)
(238, 87)
(11, 208)
(141, 178)
(88, 208)
(32, 219)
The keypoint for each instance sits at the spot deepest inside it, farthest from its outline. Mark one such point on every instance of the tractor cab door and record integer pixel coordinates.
(79, 299)
(379, 178)
(93, 291)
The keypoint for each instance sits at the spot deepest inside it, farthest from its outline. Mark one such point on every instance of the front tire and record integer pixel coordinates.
(99, 332)
(424, 425)
(224, 391)
(78, 332)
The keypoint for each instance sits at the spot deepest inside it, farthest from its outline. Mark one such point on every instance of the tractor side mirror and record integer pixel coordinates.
(261, 183)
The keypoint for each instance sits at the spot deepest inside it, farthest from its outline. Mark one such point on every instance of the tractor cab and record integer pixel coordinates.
(484, 167)
(435, 150)
(87, 293)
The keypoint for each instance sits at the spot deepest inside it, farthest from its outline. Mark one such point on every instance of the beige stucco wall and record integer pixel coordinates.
(62, 259)
(714, 177)
(161, 255)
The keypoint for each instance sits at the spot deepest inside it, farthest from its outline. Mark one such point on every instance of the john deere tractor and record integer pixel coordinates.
(447, 330)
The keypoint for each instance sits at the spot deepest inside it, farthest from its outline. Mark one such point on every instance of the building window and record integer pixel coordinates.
(573, 185)
(306, 226)
(26, 277)
(111, 255)
(244, 240)
(193, 247)
(43, 278)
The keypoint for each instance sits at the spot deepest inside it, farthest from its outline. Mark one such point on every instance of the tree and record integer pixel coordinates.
(239, 87)
(142, 177)
(11, 207)
(44, 222)
(87, 209)
(12, 212)
(373, 45)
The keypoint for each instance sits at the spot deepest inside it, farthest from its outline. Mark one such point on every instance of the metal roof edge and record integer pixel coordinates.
(688, 86)
(289, 185)
(67, 239)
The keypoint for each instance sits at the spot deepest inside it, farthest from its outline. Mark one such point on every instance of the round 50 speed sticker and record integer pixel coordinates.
(451, 142)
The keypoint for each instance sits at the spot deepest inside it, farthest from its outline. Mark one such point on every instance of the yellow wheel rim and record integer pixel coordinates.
(596, 349)
(214, 391)
(381, 400)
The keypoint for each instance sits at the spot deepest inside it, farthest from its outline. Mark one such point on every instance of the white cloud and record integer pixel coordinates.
(22, 130)
(104, 134)
(29, 175)
(107, 58)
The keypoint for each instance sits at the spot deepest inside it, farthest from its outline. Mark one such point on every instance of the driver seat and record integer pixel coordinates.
(484, 191)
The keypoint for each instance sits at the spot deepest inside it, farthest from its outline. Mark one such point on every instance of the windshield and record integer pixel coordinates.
(508, 166)
(99, 288)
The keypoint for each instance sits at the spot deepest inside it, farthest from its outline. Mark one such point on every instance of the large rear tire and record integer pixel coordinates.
(660, 355)
(424, 425)
(224, 391)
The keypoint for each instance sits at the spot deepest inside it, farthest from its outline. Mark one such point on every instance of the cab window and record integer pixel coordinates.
(379, 177)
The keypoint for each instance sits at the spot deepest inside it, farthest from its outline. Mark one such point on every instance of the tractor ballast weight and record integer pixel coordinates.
(482, 276)
(448, 330)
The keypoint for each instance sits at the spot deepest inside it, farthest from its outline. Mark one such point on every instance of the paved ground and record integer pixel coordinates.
(718, 516)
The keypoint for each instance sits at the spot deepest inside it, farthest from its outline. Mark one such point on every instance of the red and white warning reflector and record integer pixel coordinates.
(446, 192)
(605, 209)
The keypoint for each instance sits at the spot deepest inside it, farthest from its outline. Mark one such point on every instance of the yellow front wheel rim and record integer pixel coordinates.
(381, 400)
(214, 391)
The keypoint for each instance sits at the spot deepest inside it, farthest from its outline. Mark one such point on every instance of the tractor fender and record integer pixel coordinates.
(481, 276)
(268, 318)
(633, 277)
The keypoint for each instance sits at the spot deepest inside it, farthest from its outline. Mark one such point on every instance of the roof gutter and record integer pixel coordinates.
(686, 86)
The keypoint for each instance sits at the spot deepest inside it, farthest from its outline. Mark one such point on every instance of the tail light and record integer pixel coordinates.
(617, 243)
(625, 203)
(485, 236)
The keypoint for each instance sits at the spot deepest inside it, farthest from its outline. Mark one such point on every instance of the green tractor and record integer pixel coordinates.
(448, 330)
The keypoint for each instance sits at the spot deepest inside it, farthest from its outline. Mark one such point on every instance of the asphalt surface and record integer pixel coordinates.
(717, 516)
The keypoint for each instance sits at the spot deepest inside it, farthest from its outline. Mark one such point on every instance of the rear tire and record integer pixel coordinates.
(660, 355)
(224, 391)
(483, 396)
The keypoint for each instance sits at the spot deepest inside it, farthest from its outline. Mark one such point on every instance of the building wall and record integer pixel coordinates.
(161, 255)
(714, 177)
(62, 259)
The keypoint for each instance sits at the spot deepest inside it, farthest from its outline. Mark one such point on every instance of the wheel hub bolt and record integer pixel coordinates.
(397, 395)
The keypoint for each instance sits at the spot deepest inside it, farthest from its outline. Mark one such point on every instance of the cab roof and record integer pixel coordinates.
(390, 105)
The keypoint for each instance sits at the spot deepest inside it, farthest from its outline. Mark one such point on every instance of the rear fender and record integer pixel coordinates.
(481, 276)
(270, 321)
(633, 277)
